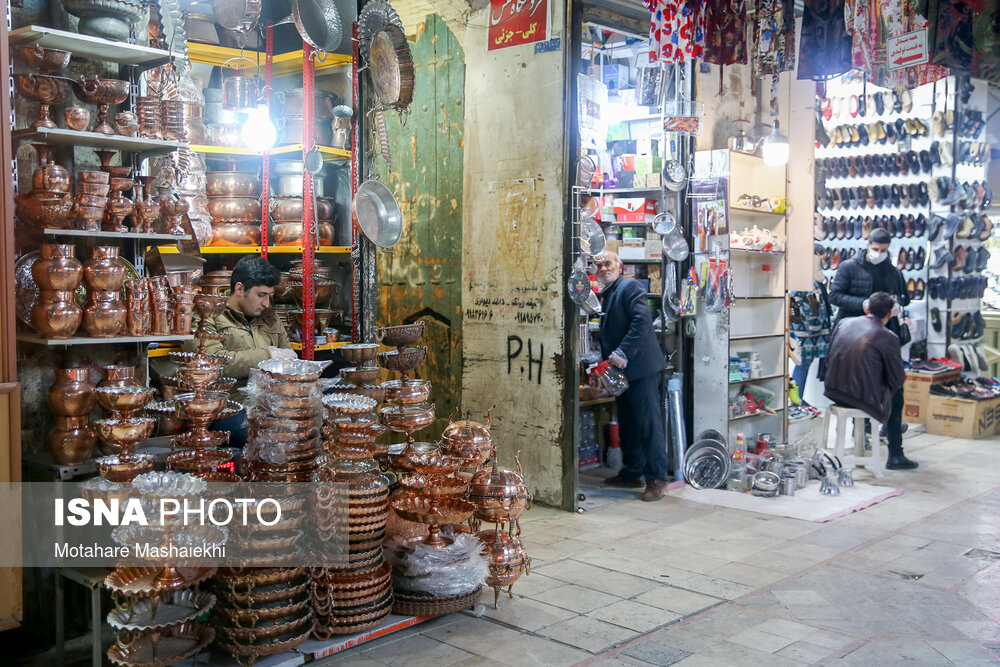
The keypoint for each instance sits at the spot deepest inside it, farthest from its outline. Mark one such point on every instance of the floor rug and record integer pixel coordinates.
(807, 504)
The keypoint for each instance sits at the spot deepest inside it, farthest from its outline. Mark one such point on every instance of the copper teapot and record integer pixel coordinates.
(507, 559)
(499, 494)
(469, 440)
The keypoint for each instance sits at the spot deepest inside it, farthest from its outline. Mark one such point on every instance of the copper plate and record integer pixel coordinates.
(181, 607)
(246, 597)
(174, 644)
(269, 629)
(267, 647)
(433, 510)
(260, 576)
(391, 67)
(140, 580)
(248, 617)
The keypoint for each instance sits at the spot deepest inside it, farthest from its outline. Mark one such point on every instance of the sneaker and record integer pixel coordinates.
(900, 462)
(623, 482)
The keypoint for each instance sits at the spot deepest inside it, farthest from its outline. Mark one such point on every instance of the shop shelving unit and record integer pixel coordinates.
(756, 319)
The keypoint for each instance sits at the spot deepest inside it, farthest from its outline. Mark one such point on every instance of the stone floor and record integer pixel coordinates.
(914, 579)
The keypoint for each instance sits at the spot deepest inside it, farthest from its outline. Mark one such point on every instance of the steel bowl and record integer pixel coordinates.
(376, 213)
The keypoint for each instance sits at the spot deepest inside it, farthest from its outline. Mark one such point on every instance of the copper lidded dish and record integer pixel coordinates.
(407, 392)
(407, 418)
(400, 336)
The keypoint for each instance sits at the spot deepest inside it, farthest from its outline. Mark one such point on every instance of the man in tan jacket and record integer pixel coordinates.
(255, 332)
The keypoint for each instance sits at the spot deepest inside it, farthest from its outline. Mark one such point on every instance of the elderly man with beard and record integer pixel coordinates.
(628, 343)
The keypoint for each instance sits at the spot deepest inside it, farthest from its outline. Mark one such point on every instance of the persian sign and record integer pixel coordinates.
(516, 22)
(907, 50)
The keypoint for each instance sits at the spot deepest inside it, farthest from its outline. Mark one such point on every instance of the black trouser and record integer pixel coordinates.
(640, 424)
(894, 426)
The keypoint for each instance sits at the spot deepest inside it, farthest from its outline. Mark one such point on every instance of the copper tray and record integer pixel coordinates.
(268, 647)
(374, 592)
(433, 485)
(181, 607)
(269, 629)
(265, 422)
(433, 509)
(428, 463)
(173, 645)
(246, 618)
(140, 580)
(259, 576)
(198, 459)
(247, 597)
(355, 628)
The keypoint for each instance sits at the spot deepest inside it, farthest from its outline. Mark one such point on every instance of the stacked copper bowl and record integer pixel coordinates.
(49, 202)
(261, 611)
(284, 417)
(234, 204)
(148, 109)
(198, 394)
(92, 188)
(121, 430)
(158, 607)
(118, 206)
(408, 409)
(172, 119)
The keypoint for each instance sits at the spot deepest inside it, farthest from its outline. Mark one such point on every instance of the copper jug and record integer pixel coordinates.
(104, 314)
(71, 395)
(55, 314)
(49, 175)
(72, 440)
(57, 268)
(104, 271)
(118, 376)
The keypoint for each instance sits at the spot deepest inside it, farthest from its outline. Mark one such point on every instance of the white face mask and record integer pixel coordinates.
(876, 257)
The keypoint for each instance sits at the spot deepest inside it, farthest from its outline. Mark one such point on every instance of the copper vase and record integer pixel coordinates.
(55, 314)
(104, 271)
(57, 268)
(118, 376)
(72, 440)
(71, 395)
(104, 315)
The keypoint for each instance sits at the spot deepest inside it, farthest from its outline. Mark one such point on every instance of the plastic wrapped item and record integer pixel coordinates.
(454, 569)
(612, 380)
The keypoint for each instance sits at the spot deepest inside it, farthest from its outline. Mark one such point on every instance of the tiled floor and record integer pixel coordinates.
(914, 579)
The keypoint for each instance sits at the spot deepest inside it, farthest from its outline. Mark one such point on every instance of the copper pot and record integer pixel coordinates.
(55, 314)
(325, 289)
(468, 439)
(72, 441)
(45, 60)
(234, 209)
(289, 209)
(232, 184)
(49, 175)
(320, 272)
(402, 335)
(499, 494)
(57, 268)
(45, 209)
(104, 271)
(77, 118)
(290, 233)
(102, 177)
(71, 395)
(126, 123)
(104, 315)
(406, 418)
(407, 392)
(236, 234)
(402, 360)
(118, 376)
(91, 200)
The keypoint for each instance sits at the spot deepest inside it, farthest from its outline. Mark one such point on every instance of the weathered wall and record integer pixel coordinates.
(512, 248)
(421, 278)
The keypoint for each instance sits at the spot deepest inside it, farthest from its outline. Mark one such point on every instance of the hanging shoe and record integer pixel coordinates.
(941, 257)
(918, 259)
(951, 225)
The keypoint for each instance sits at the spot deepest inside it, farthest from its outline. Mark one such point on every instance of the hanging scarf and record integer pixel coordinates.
(871, 23)
(725, 32)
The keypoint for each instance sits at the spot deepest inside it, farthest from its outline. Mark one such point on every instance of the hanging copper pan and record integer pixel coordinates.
(392, 67)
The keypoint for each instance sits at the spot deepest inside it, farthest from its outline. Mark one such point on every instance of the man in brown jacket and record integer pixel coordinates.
(865, 371)
(255, 332)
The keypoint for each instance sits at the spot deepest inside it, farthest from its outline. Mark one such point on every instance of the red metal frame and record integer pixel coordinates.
(308, 214)
(355, 243)
(265, 176)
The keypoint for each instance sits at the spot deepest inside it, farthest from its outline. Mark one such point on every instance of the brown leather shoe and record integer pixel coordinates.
(654, 490)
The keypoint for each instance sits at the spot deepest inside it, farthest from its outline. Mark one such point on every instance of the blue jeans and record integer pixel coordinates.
(237, 427)
(801, 373)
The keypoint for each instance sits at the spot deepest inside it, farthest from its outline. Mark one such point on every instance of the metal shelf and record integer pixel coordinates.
(756, 336)
(116, 235)
(326, 346)
(775, 413)
(97, 48)
(329, 154)
(86, 340)
(756, 212)
(641, 261)
(58, 135)
(283, 64)
(256, 249)
(760, 379)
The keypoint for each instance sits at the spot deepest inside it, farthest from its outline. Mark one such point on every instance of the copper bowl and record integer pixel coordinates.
(99, 177)
(359, 376)
(376, 392)
(407, 418)
(292, 389)
(92, 201)
(117, 171)
(77, 118)
(232, 184)
(358, 353)
(407, 392)
(320, 271)
(290, 233)
(433, 509)
(123, 399)
(264, 422)
(113, 469)
(433, 485)
(121, 183)
(289, 209)
(198, 377)
(234, 234)
(209, 305)
(198, 440)
(234, 209)
(101, 91)
(400, 336)
(325, 289)
(44, 212)
(198, 459)
(93, 189)
(200, 405)
(348, 405)
(402, 360)
(279, 402)
(221, 278)
(125, 431)
(45, 60)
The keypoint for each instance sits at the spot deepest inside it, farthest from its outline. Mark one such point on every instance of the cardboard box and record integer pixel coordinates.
(654, 248)
(627, 205)
(962, 418)
(648, 164)
(916, 391)
(655, 279)
(615, 76)
(648, 180)
(612, 245)
(632, 251)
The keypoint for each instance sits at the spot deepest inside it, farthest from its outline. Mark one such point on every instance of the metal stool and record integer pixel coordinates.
(872, 462)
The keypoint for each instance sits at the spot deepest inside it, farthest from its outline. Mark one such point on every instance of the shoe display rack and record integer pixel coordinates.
(959, 227)
(876, 152)
(742, 322)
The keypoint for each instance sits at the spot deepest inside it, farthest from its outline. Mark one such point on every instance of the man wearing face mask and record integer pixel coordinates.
(856, 280)
(628, 343)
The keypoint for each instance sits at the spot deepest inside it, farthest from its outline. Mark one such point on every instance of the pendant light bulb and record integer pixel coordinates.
(774, 148)
(258, 132)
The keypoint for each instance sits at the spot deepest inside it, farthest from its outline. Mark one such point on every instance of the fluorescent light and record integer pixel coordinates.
(774, 148)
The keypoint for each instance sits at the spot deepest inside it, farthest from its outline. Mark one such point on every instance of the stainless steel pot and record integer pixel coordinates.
(376, 213)
(290, 131)
(292, 102)
(291, 186)
(201, 28)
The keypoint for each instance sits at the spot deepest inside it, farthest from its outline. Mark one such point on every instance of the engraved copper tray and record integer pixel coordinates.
(172, 645)
(141, 580)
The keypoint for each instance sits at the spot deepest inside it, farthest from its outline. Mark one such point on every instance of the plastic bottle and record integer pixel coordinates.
(612, 380)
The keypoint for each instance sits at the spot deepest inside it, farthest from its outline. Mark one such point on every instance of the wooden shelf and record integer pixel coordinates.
(116, 235)
(61, 136)
(755, 212)
(283, 64)
(760, 379)
(97, 48)
(256, 249)
(775, 413)
(86, 340)
(326, 346)
(329, 154)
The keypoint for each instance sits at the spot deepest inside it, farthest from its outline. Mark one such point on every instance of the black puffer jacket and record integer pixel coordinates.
(864, 366)
(854, 283)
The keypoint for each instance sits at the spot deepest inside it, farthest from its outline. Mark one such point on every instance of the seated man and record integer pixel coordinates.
(865, 371)
(255, 332)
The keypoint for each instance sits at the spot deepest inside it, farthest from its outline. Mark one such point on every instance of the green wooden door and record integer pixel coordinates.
(421, 277)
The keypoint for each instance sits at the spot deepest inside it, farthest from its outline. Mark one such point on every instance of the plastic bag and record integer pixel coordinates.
(454, 569)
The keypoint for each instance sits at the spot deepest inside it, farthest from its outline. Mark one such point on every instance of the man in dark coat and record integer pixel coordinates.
(628, 343)
(856, 280)
(865, 371)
